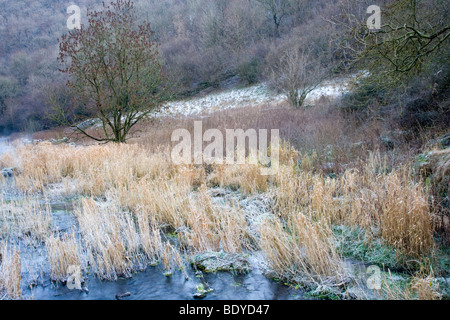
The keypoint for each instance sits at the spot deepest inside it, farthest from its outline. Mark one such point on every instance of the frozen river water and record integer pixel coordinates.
(4, 146)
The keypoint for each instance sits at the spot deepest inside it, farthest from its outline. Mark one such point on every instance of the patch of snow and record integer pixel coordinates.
(228, 99)
(240, 97)
(330, 89)
(245, 97)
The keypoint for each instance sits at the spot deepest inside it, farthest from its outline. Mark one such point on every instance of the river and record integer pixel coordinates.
(149, 284)
(152, 284)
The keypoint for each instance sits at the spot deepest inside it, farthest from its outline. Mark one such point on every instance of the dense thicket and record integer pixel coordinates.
(202, 42)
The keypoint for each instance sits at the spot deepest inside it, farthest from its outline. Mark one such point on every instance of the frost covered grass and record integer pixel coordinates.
(24, 219)
(330, 198)
(247, 97)
(228, 99)
(244, 97)
(10, 273)
(131, 198)
(63, 255)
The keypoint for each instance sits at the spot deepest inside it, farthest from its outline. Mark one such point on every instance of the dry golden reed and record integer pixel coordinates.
(10, 271)
(145, 193)
(63, 252)
(301, 248)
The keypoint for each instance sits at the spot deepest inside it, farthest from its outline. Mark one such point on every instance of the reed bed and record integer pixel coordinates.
(388, 204)
(112, 242)
(131, 197)
(64, 256)
(26, 218)
(10, 270)
(303, 248)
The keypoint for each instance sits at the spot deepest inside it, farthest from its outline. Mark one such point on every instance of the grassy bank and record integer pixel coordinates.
(130, 198)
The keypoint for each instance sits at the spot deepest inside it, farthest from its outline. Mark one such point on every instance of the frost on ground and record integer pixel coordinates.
(4, 146)
(245, 97)
(237, 98)
(222, 101)
(330, 89)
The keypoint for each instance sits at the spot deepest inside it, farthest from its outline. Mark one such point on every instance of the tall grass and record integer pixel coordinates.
(10, 273)
(390, 204)
(301, 248)
(422, 286)
(130, 195)
(64, 256)
(26, 218)
(110, 236)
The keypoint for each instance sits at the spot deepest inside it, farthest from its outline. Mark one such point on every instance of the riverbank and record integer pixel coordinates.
(132, 208)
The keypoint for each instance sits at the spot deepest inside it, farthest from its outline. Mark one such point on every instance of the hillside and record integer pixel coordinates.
(225, 150)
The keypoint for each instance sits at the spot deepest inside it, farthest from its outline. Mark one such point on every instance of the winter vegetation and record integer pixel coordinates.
(358, 207)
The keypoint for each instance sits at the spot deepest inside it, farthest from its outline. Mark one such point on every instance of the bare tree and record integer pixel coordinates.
(278, 10)
(114, 69)
(296, 72)
(411, 33)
